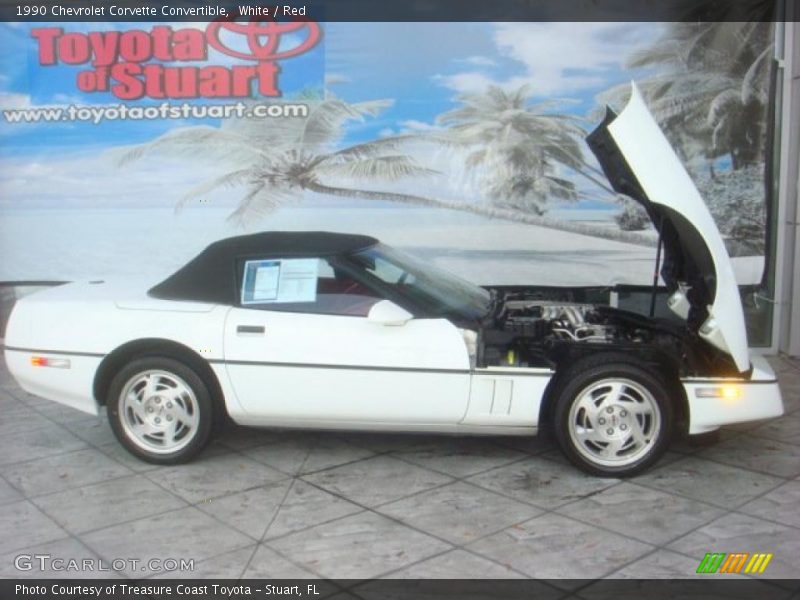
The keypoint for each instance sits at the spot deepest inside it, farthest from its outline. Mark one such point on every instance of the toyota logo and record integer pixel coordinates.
(264, 37)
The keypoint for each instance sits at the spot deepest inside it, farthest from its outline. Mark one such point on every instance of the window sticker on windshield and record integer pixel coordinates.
(286, 280)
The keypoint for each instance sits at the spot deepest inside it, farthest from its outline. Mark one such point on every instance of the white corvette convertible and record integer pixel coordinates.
(324, 330)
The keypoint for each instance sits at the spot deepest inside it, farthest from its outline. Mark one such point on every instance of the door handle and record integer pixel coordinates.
(253, 329)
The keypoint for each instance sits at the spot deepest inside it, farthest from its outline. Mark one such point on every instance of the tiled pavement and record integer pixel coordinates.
(262, 503)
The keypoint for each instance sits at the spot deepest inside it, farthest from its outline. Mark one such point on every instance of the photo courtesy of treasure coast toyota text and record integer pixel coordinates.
(349, 299)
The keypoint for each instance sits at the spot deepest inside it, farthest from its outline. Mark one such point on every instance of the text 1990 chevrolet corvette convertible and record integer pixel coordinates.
(324, 330)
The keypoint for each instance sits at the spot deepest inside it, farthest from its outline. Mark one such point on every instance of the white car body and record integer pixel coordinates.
(362, 374)
(366, 375)
(385, 371)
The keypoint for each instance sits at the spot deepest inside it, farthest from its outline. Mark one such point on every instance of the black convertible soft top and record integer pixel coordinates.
(211, 275)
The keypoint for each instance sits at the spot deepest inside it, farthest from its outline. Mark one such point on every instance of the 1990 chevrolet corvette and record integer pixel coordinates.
(324, 330)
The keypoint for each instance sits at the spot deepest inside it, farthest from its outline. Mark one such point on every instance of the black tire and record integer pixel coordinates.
(589, 379)
(201, 413)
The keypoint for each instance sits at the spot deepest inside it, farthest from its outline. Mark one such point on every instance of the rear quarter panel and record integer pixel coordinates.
(84, 328)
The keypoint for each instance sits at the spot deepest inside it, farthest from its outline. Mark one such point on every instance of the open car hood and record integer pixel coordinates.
(639, 162)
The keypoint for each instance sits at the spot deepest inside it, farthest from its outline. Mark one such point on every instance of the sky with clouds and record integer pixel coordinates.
(422, 67)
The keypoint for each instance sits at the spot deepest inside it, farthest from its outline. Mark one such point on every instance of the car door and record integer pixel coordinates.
(299, 348)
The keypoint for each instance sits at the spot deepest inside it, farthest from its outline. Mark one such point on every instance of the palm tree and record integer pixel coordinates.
(517, 146)
(279, 159)
(712, 94)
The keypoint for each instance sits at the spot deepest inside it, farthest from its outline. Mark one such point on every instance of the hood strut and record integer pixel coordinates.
(657, 269)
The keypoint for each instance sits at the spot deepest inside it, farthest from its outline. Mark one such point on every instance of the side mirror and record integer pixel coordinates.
(387, 312)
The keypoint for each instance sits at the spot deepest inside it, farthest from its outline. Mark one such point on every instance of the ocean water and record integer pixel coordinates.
(150, 243)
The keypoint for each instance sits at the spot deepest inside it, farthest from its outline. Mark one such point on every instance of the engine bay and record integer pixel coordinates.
(529, 328)
(565, 321)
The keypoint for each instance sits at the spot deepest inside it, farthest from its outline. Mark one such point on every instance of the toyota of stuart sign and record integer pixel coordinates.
(128, 63)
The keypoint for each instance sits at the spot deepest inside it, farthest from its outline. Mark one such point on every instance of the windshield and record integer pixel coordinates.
(437, 291)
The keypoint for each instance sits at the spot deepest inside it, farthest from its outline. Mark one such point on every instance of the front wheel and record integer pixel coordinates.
(160, 410)
(613, 418)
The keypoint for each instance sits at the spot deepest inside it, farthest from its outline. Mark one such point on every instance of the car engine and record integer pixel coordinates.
(527, 332)
(575, 322)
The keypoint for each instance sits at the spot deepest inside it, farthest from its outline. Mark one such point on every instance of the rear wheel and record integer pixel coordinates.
(160, 410)
(613, 418)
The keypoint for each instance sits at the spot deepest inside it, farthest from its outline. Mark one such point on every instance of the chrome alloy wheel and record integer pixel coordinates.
(614, 422)
(160, 412)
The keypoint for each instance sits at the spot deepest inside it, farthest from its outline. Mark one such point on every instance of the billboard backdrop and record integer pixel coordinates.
(128, 147)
